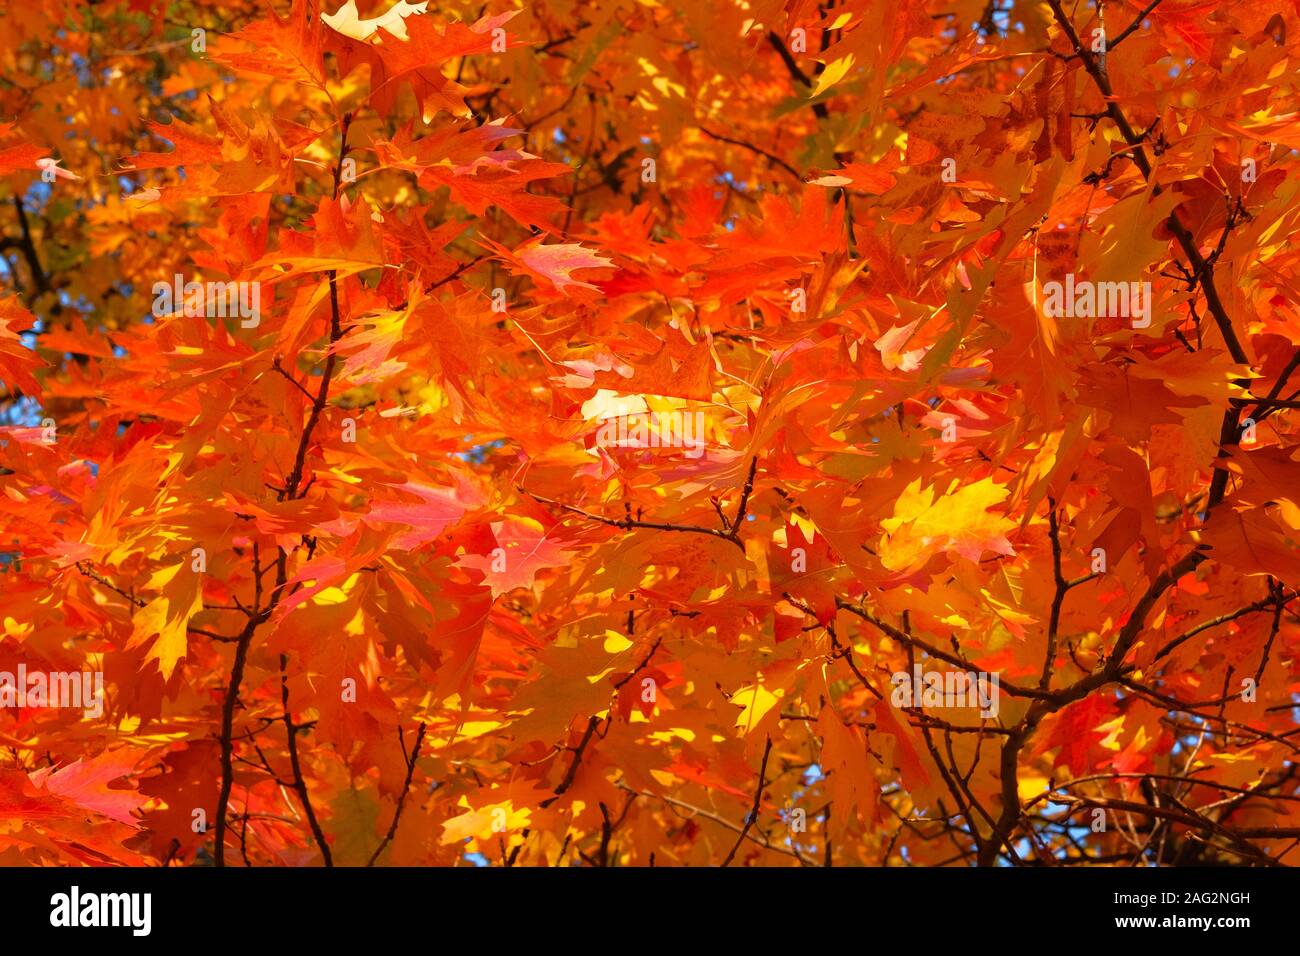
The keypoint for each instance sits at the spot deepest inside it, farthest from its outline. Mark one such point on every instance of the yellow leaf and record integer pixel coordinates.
(1030, 786)
(757, 701)
(616, 643)
(833, 74)
(483, 824)
(959, 521)
(168, 616)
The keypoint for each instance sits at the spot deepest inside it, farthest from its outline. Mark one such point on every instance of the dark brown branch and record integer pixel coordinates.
(300, 784)
(1216, 621)
(1113, 670)
(731, 533)
(1200, 267)
(618, 685)
(401, 801)
(572, 772)
(296, 384)
(1137, 22)
(1270, 402)
(26, 245)
(770, 157)
(840, 649)
(759, 840)
(85, 568)
(758, 799)
(227, 735)
(1058, 598)
(819, 109)
(288, 492)
(909, 640)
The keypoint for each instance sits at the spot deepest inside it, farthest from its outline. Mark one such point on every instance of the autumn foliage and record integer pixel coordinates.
(616, 403)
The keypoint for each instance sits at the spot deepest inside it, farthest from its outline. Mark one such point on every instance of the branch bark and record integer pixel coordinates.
(288, 492)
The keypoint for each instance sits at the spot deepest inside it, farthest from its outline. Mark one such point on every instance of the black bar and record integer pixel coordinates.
(498, 908)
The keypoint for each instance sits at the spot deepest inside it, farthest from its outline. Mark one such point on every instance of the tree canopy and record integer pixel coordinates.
(649, 432)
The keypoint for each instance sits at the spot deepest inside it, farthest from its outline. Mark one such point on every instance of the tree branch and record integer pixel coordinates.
(758, 799)
(401, 801)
